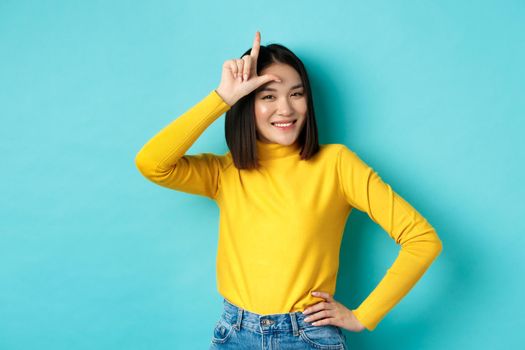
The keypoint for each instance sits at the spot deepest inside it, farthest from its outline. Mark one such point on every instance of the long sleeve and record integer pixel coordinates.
(162, 159)
(419, 243)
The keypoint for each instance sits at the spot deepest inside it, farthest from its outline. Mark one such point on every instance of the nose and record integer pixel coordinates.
(285, 107)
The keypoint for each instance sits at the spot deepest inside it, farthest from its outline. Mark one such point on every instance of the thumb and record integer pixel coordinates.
(263, 79)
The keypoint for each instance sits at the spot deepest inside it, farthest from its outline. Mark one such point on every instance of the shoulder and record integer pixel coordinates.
(329, 155)
(336, 150)
(342, 156)
(225, 160)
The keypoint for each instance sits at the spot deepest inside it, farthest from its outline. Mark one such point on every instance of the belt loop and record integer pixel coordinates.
(295, 326)
(239, 319)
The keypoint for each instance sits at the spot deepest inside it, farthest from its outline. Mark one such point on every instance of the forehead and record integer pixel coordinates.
(289, 76)
(284, 71)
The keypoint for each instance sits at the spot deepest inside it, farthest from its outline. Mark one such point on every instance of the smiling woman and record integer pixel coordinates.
(284, 97)
(280, 108)
(284, 201)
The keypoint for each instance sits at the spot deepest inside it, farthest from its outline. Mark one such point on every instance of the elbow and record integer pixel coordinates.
(144, 166)
(438, 244)
(434, 248)
(426, 247)
(439, 247)
(150, 169)
(139, 163)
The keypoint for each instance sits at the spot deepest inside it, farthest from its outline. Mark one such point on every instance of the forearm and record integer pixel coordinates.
(413, 260)
(164, 150)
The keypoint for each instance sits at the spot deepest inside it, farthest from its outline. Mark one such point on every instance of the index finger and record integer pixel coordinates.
(256, 45)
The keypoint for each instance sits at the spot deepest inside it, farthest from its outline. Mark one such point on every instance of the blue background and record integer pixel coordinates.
(94, 256)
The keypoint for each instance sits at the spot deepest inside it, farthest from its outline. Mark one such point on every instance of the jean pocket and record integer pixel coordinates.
(222, 331)
(323, 337)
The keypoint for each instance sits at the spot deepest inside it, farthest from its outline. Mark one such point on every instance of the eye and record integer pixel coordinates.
(265, 97)
(297, 93)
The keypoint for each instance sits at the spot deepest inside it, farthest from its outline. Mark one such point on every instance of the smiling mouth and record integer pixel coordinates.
(283, 125)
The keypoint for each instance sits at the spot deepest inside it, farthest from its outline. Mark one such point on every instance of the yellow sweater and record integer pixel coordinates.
(281, 225)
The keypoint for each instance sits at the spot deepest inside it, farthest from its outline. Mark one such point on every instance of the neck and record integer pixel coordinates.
(266, 151)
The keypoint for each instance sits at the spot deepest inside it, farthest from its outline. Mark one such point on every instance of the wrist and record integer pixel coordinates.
(360, 326)
(230, 101)
(351, 322)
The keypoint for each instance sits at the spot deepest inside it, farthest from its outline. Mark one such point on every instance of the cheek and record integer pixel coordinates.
(262, 113)
(262, 110)
(303, 107)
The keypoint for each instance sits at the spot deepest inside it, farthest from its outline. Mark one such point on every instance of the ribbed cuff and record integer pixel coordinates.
(369, 324)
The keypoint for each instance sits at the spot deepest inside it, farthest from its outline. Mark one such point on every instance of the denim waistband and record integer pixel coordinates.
(287, 322)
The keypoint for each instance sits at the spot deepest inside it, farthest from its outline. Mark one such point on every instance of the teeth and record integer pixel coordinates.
(283, 124)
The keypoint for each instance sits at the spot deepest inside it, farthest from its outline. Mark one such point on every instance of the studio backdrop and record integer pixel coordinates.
(95, 256)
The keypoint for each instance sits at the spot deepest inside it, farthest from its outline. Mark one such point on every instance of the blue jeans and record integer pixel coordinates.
(240, 329)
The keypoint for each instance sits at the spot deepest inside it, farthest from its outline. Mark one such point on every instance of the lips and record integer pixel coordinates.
(284, 122)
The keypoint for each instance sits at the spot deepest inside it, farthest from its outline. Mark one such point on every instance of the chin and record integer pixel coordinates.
(271, 137)
(287, 142)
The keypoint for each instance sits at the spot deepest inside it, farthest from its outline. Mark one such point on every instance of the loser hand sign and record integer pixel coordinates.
(239, 76)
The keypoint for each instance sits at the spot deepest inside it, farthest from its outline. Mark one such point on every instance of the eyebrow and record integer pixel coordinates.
(272, 89)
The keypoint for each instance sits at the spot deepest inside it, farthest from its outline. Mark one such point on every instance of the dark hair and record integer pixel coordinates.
(240, 127)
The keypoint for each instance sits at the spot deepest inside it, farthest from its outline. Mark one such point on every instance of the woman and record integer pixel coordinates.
(284, 201)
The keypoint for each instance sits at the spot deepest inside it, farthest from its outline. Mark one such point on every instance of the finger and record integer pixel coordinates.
(247, 65)
(323, 305)
(240, 68)
(254, 53)
(264, 79)
(233, 68)
(323, 295)
(318, 316)
(323, 322)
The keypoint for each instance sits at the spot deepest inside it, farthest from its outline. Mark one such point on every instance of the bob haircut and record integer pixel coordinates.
(240, 127)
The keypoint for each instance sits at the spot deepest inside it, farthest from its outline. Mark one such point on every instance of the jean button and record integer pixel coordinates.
(266, 322)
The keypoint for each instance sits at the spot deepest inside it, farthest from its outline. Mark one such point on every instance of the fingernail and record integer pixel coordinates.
(315, 293)
(245, 76)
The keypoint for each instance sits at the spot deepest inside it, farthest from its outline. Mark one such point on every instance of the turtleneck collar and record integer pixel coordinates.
(267, 151)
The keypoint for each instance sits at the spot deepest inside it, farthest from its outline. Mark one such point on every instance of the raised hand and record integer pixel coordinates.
(239, 76)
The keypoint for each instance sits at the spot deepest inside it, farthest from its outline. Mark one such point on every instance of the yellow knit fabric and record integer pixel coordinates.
(281, 225)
